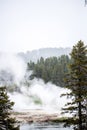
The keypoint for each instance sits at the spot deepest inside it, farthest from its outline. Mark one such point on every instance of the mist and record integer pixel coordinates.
(36, 95)
(39, 96)
(14, 65)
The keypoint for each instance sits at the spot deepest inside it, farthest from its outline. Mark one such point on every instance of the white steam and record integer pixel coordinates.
(39, 96)
(13, 64)
(36, 96)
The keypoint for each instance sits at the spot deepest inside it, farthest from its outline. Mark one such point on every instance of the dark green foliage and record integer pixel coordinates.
(51, 69)
(6, 123)
(76, 81)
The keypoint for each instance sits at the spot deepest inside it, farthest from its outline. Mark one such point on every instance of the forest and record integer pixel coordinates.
(52, 69)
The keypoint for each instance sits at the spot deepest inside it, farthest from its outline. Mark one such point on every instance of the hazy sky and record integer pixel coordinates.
(32, 24)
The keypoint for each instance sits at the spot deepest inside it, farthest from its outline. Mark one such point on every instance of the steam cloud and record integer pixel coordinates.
(36, 96)
(39, 96)
(14, 65)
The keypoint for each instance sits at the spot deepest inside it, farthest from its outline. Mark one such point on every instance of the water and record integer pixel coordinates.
(43, 126)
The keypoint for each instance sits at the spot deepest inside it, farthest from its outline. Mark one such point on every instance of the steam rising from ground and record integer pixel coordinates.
(14, 65)
(36, 96)
(39, 96)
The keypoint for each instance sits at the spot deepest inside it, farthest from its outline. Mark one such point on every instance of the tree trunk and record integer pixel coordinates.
(86, 114)
(80, 116)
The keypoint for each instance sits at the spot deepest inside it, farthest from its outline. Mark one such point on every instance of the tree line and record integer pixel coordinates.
(50, 69)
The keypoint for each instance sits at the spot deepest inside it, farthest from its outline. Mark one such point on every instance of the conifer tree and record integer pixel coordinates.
(6, 122)
(76, 81)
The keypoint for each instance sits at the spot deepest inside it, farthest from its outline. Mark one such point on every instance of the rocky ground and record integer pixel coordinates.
(34, 116)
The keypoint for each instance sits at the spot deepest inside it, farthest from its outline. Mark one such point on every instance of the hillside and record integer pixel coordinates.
(44, 52)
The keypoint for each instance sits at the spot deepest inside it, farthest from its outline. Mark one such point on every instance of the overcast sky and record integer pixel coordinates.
(32, 24)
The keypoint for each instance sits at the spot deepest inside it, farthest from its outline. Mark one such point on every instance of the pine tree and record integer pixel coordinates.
(76, 81)
(6, 122)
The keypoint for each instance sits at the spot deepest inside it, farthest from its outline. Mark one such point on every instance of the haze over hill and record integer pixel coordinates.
(13, 66)
(44, 52)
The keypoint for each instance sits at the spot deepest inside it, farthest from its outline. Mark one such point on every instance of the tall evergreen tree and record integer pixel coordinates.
(6, 122)
(76, 81)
